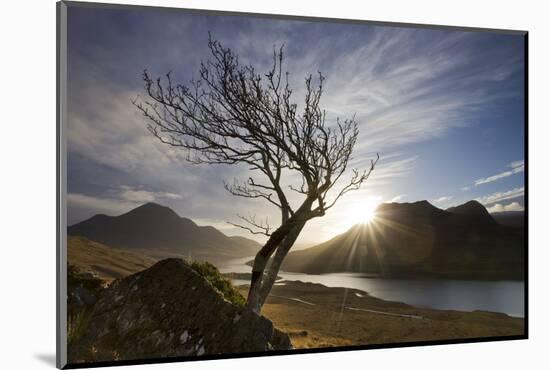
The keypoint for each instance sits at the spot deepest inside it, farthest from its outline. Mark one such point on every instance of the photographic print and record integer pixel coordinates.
(240, 185)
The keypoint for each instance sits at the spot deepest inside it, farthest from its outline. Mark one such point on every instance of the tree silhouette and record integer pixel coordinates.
(233, 115)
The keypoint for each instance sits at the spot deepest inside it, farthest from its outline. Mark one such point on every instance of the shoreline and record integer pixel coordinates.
(419, 275)
(392, 293)
(281, 281)
(318, 316)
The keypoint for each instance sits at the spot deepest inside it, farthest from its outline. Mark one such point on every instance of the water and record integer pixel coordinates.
(462, 295)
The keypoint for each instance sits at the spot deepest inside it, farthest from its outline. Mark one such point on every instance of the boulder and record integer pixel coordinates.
(170, 310)
(83, 289)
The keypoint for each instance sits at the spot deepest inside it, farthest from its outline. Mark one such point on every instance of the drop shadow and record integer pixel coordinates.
(47, 358)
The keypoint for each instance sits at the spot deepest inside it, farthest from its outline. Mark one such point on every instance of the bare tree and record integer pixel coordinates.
(233, 115)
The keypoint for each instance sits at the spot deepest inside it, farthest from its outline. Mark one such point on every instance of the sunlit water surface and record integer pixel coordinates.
(462, 295)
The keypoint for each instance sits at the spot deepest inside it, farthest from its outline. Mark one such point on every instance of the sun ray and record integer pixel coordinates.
(363, 211)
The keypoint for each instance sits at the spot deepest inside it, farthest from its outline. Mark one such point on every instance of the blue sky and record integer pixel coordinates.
(443, 108)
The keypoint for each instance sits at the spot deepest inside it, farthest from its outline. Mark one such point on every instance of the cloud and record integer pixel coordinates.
(81, 203)
(143, 196)
(465, 188)
(403, 91)
(397, 198)
(502, 195)
(389, 168)
(516, 164)
(516, 167)
(498, 207)
(443, 199)
(113, 202)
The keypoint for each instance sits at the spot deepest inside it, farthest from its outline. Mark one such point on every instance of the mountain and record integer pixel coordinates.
(473, 212)
(420, 240)
(161, 232)
(245, 242)
(511, 218)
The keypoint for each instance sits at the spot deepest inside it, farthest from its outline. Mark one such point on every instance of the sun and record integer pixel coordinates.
(370, 212)
(363, 211)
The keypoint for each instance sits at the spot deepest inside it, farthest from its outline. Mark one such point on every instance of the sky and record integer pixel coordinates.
(444, 109)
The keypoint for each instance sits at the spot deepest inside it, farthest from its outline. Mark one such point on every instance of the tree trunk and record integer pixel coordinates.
(254, 301)
(275, 265)
(260, 262)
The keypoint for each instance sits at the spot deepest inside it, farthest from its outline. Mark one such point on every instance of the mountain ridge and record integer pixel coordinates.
(156, 228)
(420, 240)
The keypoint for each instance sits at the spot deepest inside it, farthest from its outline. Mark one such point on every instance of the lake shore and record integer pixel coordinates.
(318, 316)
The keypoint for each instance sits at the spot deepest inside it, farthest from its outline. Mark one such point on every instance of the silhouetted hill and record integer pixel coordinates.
(474, 212)
(512, 218)
(420, 240)
(161, 231)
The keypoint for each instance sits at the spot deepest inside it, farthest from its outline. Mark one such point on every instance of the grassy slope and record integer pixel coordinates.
(108, 263)
(328, 324)
(325, 323)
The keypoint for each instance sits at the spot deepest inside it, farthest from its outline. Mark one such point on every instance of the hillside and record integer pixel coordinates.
(420, 240)
(512, 218)
(105, 262)
(161, 232)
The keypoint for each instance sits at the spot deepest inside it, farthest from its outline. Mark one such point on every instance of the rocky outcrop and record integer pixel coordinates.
(83, 289)
(170, 310)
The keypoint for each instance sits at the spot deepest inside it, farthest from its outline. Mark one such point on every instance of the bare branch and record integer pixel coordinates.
(248, 191)
(256, 227)
(231, 114)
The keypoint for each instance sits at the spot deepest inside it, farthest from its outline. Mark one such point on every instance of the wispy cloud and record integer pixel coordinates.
(138, 195)
(389, 168)
(420, 95)
(465, 188)
(501, 195)
(115, 201)
(516, 167)
(443, 199)
(516, 164)
(81, 203)
(397, 198)
(514, 206)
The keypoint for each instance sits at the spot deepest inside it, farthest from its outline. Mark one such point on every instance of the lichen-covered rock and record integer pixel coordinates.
(170, 310)
(83, 288)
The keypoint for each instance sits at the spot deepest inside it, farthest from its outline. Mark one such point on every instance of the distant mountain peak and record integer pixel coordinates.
(471, 203)
(422, 207)
(472, 206)
(152, 206)
(423, 203)
(474, 210)
(155, 227)
(154, 210)
(418, 204)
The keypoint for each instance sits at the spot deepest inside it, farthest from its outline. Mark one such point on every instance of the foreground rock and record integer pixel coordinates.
(170, 310)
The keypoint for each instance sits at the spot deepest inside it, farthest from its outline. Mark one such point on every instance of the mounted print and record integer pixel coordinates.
(235, 185)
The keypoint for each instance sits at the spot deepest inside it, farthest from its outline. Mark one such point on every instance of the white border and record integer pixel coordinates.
(27, 152)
